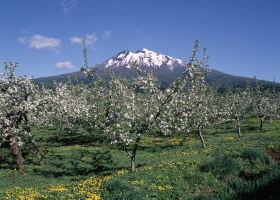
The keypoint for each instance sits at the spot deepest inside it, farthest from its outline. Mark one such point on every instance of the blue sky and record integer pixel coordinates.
(242, 36)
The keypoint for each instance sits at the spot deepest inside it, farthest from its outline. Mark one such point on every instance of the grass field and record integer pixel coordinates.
(82, 166)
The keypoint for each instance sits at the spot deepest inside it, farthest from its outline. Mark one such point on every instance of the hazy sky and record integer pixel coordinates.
(44, 36)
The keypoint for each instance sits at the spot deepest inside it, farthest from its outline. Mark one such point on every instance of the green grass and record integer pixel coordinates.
(171, 167)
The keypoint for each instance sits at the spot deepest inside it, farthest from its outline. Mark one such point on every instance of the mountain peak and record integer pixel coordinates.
(145, 58)
(145, 50)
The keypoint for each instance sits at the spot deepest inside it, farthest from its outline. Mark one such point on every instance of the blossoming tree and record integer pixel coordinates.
(262, 106)
(70, 105)
(239, 104)
(135, 108)
(23, 105)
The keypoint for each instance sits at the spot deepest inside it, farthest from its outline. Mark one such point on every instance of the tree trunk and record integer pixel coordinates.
(133, 156)
(15, 150)
(37, 150)
(133, 153)
(201, 136)
(133, 163)
(261, 123)
(238, 127)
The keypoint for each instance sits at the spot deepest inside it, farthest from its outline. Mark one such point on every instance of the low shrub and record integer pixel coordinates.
(255, 155)
(222, 166)
(255, 163)
(120, 190)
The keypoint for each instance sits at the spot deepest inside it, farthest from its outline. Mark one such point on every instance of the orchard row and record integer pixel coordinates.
(125, 110)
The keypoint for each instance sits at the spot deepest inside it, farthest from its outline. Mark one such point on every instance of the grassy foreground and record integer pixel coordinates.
(81, 166)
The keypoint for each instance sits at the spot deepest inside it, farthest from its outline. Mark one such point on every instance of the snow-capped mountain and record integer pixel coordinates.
(166, 68)
(143, 58)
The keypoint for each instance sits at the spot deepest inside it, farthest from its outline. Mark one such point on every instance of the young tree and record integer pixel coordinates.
(131, 108)
(198, 105)
(23, 105)
(208, 109)
(261, 104)
(135, 108)
(239, 104)
(70, 105)
(274, 105)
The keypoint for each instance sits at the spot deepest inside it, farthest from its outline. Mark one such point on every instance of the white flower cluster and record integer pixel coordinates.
(22, 106)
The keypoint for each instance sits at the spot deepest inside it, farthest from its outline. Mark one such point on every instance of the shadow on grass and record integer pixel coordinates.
(2, 160)
(251, 128)
(159, 148)
(269, 191)
(6, 160)
(68, 138)
(79, 163)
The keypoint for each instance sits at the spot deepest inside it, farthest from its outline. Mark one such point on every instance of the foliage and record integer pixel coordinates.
(23, 105)
(256, 162)
(117, 189)
(255, 155)
(222, 166)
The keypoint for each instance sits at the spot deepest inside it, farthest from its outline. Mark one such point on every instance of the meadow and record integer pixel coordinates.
(84, 166)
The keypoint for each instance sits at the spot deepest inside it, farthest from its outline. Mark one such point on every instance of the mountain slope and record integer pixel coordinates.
(144, 58)
(166, 68)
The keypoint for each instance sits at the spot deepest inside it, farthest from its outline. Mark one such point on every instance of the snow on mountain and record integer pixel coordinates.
(144, 57)
(166, 68)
